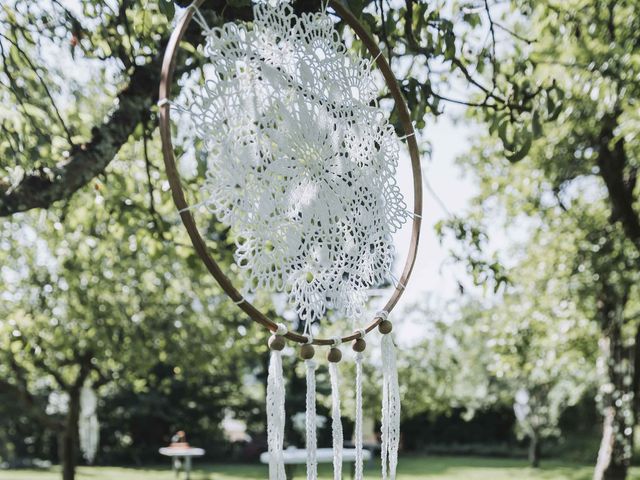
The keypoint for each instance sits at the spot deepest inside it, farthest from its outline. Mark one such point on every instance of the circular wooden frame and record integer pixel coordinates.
(166, 79)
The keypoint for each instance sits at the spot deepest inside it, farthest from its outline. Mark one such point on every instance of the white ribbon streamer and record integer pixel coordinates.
(311, 423)
(336, 421)
(358, 425)
(275, 417)
(390, 410)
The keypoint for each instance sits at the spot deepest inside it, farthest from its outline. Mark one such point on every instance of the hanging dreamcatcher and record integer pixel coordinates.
(300, 164)
(88, 426)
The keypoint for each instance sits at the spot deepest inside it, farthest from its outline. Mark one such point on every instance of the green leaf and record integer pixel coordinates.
(473, 19)
(524, 149)
(536, 125)
(504, 134)
(167, 8)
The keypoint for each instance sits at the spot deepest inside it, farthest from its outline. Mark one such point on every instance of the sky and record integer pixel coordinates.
(448, 186)
(434, 278)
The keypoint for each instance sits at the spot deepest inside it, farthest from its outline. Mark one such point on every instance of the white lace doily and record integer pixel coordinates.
(301, 160)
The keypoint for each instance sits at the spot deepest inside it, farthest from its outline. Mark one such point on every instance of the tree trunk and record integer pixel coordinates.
(611, 459)
(68, 438)
(534, 450)
(617, 397)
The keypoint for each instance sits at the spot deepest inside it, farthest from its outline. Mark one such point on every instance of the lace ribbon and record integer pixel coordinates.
(336, 421)
(258, 125)
(275, 417)
(358, 425)
(390, 409)
(311, 423)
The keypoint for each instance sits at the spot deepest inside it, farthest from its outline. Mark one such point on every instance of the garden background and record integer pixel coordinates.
(518, 335)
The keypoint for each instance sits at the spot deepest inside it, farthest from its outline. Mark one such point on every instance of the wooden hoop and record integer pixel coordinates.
(166, 79)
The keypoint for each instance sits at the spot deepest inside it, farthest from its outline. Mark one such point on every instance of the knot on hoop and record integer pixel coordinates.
(281, 329)
(360, 332)
(408, 135)
(309, 339)
(336, 341)
(382, 315)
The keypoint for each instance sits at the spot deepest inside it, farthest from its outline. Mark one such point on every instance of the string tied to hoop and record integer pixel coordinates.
(397, 283)
(408, 135)
(199, 18)
(162, 102)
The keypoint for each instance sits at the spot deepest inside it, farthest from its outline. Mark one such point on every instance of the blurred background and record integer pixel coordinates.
(517, 336)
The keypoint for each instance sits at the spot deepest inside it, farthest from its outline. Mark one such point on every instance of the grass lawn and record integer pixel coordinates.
(411, 468)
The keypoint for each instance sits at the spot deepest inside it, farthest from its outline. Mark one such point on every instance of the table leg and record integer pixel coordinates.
(187, 467)
(176, 466)
(289, 470)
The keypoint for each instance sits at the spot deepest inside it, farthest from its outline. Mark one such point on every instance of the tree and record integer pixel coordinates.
(580, 174)
(103, 293)
(61, 129)
(534, 352)
(540, 342)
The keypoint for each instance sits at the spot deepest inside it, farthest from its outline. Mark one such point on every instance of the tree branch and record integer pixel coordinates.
(612, 162)
(42, 188)
(30, 403)
(20, 393)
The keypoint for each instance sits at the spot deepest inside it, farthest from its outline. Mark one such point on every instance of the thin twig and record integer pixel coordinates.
(147, 161)
(44, 86)
(494, 63)
(514, 34)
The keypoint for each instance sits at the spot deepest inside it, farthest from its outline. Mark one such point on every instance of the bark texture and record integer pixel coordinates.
(68, 438)
(40, 188)
(620, 179)
(616, 444)
(534, 451)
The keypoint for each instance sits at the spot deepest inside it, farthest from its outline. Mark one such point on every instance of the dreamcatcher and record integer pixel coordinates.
(88, 426)
(301, 166)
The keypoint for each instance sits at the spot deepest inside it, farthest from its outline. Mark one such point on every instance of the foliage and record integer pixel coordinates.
(107, 291)
(575, 192)
(92, 281)
(537, 347)
(78, 80)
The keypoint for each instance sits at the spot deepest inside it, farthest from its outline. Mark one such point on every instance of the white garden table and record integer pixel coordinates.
(298, 456)
(176, 453)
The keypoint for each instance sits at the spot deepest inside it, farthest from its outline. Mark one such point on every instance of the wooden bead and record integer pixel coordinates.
(334, 355)
(276, 342)
(359, 345)
(307, 351)
(385, 327)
